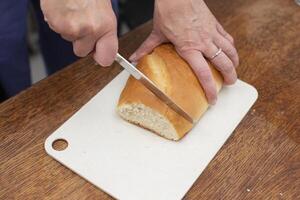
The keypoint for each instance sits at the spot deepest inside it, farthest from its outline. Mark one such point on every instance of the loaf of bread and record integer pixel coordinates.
(175, 77)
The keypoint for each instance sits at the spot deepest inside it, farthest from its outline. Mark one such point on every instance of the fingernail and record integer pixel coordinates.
(132, 57)
(102, 64)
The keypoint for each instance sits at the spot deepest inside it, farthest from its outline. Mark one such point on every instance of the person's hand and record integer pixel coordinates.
(196, 34)
(89, 24)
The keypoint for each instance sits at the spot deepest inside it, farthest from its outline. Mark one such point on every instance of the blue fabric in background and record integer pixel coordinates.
(115, 5)
(56, 51)
(14, 62)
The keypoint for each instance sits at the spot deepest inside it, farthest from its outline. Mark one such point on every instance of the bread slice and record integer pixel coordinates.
(174, 76)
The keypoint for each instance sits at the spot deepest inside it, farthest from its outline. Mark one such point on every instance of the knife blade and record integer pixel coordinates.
(138, 75)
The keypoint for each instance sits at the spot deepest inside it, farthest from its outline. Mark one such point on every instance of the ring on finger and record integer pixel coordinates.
(216, 54)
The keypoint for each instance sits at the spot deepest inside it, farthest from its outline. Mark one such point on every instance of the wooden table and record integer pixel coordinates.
(261, 160)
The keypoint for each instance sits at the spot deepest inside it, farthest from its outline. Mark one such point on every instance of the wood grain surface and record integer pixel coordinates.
(261, 160)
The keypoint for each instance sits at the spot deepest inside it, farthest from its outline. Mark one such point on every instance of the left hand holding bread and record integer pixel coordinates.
(196, 34)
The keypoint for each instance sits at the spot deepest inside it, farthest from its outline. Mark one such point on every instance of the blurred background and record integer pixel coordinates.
(131, 13)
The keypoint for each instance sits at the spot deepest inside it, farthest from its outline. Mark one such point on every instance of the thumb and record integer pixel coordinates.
(106, 49)
(148, 45)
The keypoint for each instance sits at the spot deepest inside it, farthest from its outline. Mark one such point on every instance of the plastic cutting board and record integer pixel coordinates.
(129, 162)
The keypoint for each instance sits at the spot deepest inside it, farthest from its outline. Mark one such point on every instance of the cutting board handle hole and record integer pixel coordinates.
(59, 144)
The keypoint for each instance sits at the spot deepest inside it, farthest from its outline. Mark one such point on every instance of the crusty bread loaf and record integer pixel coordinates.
(174, 76)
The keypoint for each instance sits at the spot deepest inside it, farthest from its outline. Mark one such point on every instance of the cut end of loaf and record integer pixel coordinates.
(148, 118)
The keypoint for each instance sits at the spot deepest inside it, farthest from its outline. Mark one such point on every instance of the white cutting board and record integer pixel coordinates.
(131, 163)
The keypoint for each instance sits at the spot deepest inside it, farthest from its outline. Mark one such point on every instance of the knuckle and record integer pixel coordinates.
(204, 35)
(206, 43)
(105, 26)
(193, 41)
(109, 21)
(89, 27)
(94, 29)
(205, 49)
(72, 28)
(185, 46)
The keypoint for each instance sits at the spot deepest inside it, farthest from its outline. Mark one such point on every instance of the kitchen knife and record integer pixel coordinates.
(137, 74)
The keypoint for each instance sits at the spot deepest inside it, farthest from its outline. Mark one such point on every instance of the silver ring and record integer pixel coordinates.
(216, 54)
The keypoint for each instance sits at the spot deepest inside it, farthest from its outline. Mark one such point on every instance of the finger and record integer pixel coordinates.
(69, 29)
(221, 30)
(222, 63)
(84, 46)
(148, 45)
(203, 72)
(106, 49)
(227, 48)
(65, 35)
